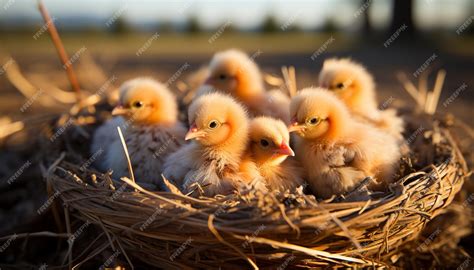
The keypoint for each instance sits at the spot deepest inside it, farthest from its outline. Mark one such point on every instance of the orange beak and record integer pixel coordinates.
(119, 110)
(194, 133)
(294, 125)
(284, 150)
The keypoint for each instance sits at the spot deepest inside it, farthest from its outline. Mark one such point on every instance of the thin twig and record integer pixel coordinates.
(130, 169)
(219, 237)
(423, 86)
(438, 87)
(409, 87)
(293, 81)
(286, 79)
(60, 49)
(313, 252)
(36, 234)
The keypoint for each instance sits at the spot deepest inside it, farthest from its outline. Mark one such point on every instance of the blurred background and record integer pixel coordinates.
(124, 39)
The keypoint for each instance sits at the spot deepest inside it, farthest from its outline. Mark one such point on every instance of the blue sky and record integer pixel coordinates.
(242, 14)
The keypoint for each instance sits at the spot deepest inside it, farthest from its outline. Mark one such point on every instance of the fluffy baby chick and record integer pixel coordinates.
(269, 149)
(219, 130)
(147, 115)
(336, 151)
(234, 73)
(355, 86)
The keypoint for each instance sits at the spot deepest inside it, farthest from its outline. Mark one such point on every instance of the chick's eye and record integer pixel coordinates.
(264, 143)
(222, 76)
(340, 86)
(213, 124)
(312, 121)
(137, 104)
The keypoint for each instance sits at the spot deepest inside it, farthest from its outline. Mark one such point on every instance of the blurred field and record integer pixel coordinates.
(161, 56)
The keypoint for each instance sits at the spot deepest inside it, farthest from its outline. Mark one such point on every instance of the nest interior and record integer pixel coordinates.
(250, 229)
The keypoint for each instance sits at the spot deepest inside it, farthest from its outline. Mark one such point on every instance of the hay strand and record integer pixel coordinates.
(125, 150)
(438, 87)
(60, 49)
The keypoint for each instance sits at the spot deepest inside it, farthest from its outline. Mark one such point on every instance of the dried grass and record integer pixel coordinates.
(262, 229)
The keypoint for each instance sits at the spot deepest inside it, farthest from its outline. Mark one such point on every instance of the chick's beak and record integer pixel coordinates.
(294, 125)
(209, 81)
(285, 150)
(119, 110)
(194, 133)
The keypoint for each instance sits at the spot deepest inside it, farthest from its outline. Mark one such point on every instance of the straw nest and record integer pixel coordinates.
(253, 230)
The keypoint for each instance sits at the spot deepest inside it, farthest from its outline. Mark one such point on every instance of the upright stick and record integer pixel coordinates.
(60, 49)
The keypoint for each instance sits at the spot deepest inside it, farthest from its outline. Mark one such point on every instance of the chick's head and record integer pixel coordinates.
(215, 118)
(269, 140)
(146, 101)
(350, 81)
(318, 114)
(233, 72)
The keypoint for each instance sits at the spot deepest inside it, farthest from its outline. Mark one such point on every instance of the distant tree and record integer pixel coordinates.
(402, 14)
(166, 27)
(366, 26)
(330, 26)
(230, 28)
(294, 28)
(120, 26)
(269, 25)
(193, 25)
(91, 30)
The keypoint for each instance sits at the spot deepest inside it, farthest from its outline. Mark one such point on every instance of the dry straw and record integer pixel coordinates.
(248, 230)
(254, 230)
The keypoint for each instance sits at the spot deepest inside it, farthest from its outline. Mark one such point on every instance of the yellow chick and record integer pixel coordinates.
(148, 117)
(355, 86)
(269, 149)
(336, 151)
(219, 130)
(234, 73)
